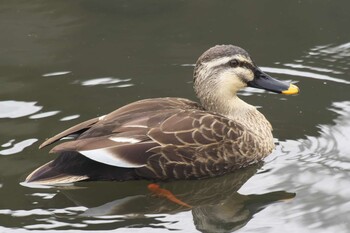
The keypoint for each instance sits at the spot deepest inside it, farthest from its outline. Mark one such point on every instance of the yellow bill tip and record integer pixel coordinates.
(291, 90)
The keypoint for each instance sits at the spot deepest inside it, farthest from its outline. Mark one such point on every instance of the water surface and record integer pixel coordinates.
(63, 62)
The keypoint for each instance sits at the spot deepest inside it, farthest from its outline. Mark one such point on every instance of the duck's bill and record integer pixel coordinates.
(264, 81)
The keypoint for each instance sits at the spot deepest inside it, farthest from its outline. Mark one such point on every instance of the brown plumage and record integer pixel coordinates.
(172, 138)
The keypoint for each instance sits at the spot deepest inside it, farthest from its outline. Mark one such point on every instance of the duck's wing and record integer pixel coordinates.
(171, 139)
(73, 131)
(159, 139)
(135, 114)
(125, 137)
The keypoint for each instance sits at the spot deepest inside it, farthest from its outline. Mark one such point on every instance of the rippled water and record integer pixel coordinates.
(64, 62)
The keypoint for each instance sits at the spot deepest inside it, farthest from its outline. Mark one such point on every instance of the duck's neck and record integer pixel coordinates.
(246, 114)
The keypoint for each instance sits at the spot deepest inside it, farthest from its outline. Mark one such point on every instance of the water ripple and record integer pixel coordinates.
(106, 81)
(68, 118)
(17, 147)
(304, 74)
(53, 224)
(59, 73)
(330, 149)
(16, 109)
(44, 114)
(329, 58)
(300, 66)
(338, 51)
(44, 195)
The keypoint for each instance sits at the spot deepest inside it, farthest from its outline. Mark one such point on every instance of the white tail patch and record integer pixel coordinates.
(107, 157)
(125, 139)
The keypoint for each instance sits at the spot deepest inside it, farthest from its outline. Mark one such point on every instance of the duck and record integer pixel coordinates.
(172, 138)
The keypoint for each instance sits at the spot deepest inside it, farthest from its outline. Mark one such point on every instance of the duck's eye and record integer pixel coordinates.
(233, 63)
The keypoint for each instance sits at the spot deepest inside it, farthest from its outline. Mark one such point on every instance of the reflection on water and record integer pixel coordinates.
(217, 206)
(13, 148)
(329, 150)
(234, 212)
(15, 109)
(44, 114)
(325, 56)
(68, 118)
(108, 81)
(58, 73)
(303, 74)
(318, 169)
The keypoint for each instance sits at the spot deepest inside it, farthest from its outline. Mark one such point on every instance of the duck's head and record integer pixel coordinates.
(223, 70)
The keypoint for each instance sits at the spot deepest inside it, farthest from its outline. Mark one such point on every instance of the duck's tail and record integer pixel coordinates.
(48, 174)
(70, 167)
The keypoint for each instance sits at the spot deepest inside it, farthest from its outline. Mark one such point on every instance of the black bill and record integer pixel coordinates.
(264, 81)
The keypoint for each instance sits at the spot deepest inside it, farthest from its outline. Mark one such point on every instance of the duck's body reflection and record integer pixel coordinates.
(217, 206)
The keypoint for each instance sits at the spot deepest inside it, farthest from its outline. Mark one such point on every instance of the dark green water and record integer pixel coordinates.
(62, 62)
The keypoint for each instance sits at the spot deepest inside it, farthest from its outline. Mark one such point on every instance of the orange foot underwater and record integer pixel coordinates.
(154, 188)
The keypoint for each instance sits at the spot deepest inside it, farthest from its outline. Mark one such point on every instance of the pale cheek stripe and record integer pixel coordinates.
(217, 62)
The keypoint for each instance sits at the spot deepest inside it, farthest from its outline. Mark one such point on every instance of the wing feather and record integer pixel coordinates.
(73, 130)
(166, 134)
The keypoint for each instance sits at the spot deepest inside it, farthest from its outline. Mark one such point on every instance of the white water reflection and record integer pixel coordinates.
(17, 147)
(16, 109)
(333, 56)
(104, 81)
(44, 114)
(338, 51)
(334, 59)
(59, 73)
(45, 222)
(122, 85)
(68, 118)
(44, 195)
(8, 144)
(304, 74)
(319, 69)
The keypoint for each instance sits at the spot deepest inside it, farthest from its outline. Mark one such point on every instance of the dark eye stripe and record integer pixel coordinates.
(247, 65)
(240, 64)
